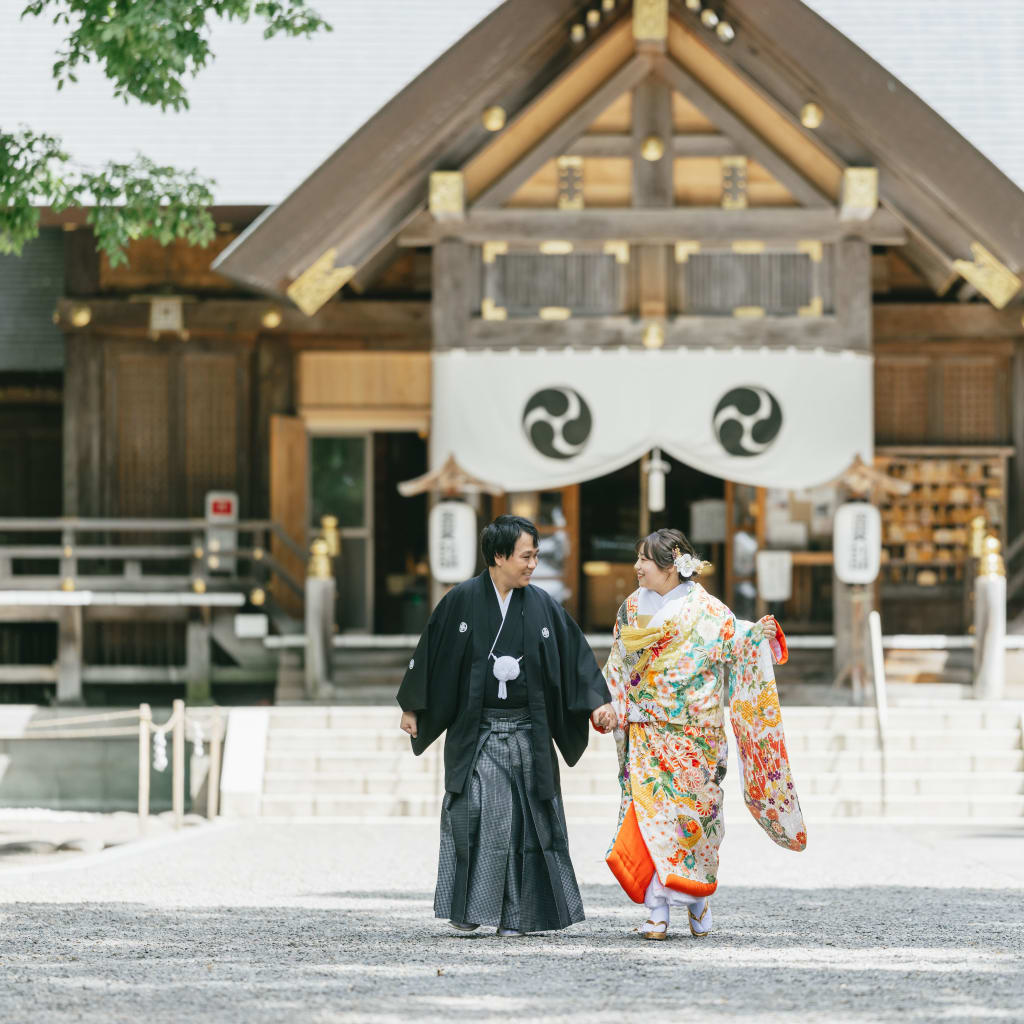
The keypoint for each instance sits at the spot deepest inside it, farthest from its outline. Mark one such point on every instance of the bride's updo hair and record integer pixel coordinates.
(658, 547)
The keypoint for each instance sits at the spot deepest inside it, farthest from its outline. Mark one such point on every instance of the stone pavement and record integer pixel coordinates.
(262, 921)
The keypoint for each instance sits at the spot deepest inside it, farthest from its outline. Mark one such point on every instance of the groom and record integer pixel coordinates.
(507, 673)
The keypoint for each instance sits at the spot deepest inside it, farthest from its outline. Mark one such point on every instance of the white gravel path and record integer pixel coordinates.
(320, 922)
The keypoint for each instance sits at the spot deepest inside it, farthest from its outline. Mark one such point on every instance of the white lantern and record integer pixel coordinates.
(657, 467)
(452, 532)
(857, 542)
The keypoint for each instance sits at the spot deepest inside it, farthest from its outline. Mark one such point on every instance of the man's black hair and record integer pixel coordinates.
(499, 537)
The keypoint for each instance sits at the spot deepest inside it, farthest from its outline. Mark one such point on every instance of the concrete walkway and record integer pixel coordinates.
(319, 922)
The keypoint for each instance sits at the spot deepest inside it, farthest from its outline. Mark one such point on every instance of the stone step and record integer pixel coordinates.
(860, 785)
(920, 761)
(604, 808)
(323, 740)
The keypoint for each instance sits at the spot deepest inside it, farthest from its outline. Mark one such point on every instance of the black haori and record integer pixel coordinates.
(504, 850)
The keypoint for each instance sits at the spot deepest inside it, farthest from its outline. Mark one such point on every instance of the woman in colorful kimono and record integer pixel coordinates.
(677, 655)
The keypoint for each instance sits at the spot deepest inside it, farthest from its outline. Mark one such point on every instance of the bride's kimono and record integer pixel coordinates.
(669, 679)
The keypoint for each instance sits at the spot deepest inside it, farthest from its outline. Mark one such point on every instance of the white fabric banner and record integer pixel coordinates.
(543, 419)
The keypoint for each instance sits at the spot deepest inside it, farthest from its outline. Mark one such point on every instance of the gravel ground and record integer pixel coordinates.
(318, 922)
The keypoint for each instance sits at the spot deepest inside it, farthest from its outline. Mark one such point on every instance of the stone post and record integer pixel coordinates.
(990, 623)
(320, 598)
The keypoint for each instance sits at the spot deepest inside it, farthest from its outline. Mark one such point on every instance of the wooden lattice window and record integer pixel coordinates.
(974, 401)
(901, 399)
(529, 284)
(775, 283)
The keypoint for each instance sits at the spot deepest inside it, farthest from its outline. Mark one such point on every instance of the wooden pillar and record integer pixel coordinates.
(69, 656)
(1016, 509)
(452, 267)
(852, 290)
(83, 425)
(197, 661)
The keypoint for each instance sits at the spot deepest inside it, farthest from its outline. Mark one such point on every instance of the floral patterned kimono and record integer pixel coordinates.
(668, 677)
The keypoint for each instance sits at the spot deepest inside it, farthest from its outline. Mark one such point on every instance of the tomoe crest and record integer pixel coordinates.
(747, 420)
(558, 422)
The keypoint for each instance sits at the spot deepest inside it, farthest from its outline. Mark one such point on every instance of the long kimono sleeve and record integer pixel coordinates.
(420, 689)
(768, 788)
(616, 674)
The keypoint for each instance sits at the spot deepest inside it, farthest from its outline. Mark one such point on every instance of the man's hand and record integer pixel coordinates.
(408, 723)
(604, 718)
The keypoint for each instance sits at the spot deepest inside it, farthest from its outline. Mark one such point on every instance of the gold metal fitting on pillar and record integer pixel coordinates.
(319, 567)
(978, 530)
(330, 532)
(991, 563)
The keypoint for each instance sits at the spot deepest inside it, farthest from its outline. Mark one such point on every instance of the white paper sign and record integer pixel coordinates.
(775, 575)
(857, 542)
(452, 531)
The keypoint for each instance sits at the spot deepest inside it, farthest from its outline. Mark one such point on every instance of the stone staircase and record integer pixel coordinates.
(947, 761)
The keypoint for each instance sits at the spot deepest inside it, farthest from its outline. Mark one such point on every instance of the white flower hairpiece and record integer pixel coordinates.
(686, 565)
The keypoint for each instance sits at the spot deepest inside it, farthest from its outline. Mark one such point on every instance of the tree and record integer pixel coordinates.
(148, 50)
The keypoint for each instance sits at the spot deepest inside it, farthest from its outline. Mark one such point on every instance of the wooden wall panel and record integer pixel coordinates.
(142, 432)
(901, 399)
(364, 380)
(211, 425)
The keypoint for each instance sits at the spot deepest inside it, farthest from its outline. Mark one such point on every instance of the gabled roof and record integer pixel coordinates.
(950, 197)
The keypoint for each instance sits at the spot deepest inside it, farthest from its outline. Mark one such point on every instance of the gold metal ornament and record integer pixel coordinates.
(811, 115)
(319, 567)
(319, 282)
(650, 20)
(570, 182)
(684, 250)
(996, 282)
(991, 563)
(708, 18)
(607, 6)
(258, 597)
(725, 32)
(555, 247)
(653, 148)
(492, 250)
(593, 18)
(812, 248)
(577, 33)
(555, 313)
(859, 193)
(693, 5)
(81, 316)
(654, 335)
(447, 195)
(490, 311)
(271, 318)
(734, 183)
(494, 118)
(618, 249)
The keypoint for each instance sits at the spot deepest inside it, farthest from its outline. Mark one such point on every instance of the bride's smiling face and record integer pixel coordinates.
(650, 575)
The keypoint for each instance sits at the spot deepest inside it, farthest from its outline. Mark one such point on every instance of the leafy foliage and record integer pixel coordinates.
(126, 201)
(148, 49)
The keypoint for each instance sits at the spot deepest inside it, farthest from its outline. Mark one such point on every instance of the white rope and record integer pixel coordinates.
(160, 751)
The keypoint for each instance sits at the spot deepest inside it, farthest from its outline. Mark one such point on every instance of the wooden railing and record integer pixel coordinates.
(140, 555)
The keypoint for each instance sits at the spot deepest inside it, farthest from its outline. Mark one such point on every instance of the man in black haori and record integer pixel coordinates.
(507, 673)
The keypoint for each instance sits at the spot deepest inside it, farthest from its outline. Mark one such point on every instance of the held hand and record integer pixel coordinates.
(408, 723)
(770, 627)
(604, 718)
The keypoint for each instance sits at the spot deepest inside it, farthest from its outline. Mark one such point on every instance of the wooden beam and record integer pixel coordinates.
(375, 266)
(938, 321)
(615, 331)
(652, 118)
(405, 323)
(619, 144)
(555, 142)
(802, 190)
(782, 225)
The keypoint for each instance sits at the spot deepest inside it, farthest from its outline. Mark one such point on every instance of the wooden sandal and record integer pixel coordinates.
(651, 934)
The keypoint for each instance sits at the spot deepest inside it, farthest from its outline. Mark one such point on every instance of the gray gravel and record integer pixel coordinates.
(262, 921)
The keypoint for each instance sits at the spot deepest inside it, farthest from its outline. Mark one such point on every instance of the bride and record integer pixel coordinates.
(678, 654)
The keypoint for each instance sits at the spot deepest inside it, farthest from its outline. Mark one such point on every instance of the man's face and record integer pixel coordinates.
(516, 570)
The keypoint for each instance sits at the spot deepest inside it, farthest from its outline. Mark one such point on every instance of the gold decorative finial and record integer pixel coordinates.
(494, 118)
(319, 560)
(811, 115)
(653, 148)
(991, 563)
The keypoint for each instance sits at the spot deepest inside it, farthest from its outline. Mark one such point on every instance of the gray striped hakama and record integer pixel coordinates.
(504, 852)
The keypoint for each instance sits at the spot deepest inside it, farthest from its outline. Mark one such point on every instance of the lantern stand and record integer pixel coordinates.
(451, 484)
(853, 602)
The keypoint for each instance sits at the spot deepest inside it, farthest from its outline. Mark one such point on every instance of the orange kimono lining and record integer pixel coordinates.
(633, 868)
